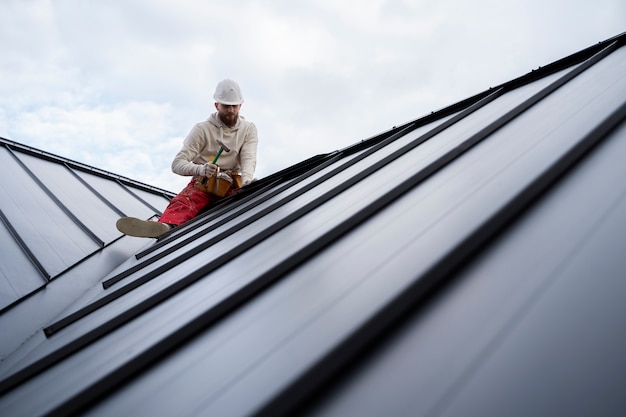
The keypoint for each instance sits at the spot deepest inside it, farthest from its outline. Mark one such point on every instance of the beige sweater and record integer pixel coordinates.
(201, 145)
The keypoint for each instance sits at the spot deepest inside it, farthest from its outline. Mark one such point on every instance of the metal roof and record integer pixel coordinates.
(466, 263)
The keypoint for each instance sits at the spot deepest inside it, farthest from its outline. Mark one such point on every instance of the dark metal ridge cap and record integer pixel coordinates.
(532, 76)
(84, 167)
(566, 62)
(422, 121)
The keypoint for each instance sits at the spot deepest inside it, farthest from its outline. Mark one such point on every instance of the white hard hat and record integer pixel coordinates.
(228, 92)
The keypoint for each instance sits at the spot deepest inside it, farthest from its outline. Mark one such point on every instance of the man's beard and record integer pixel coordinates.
(228, 119)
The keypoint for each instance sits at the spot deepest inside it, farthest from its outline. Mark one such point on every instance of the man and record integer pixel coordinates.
(195, 159)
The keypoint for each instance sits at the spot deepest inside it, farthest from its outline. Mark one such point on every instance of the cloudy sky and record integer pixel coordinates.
(118, 84)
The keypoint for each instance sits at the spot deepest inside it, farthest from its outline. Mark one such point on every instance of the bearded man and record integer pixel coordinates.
(225, 135)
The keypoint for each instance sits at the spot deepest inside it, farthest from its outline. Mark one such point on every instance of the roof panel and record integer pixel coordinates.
(11, 289)
(53, 237)
(447, 355)
(129, 202)
(95, 214)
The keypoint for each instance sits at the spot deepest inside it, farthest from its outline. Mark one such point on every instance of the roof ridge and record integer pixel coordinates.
(81, 166)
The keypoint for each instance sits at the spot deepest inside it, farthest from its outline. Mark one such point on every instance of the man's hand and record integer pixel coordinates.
(209, 169)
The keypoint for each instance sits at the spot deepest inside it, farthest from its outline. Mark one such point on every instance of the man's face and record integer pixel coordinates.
(227, 113)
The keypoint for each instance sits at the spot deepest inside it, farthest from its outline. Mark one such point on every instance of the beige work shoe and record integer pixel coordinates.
(141, 228)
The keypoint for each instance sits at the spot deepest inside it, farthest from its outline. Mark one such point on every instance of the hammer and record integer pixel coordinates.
(222, 148)
(219, 151)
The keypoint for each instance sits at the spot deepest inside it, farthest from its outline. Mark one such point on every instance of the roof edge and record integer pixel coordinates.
(533, 75)
(84, 167)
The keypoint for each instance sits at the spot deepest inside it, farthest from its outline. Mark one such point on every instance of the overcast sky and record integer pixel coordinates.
(118, 84)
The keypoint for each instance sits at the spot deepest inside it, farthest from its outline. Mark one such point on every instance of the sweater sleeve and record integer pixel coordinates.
(192, 146)
(247, 154)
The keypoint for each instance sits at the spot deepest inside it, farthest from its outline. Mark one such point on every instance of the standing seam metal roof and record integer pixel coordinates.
(296, 294)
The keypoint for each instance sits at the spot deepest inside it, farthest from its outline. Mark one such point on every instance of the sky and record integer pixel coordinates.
(118, 84)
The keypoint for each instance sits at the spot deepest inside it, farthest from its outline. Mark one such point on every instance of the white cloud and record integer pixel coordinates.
(119, 84)
(129, 140)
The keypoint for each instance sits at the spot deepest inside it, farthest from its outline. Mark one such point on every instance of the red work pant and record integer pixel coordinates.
(188, 203)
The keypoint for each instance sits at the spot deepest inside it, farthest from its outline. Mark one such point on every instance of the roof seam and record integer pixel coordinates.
(94, 191)
(56, 200)
(144, 202)
(58, 275)
(24, 247)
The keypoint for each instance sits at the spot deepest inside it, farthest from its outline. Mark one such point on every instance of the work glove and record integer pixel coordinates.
(207, 170)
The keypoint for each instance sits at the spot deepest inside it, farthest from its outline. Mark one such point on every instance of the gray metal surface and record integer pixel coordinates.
(58, 235)
(412, 274)
(533, 326)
